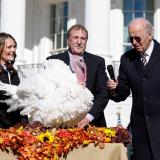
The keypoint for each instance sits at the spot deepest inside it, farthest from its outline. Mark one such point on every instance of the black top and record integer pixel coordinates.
(8, 119)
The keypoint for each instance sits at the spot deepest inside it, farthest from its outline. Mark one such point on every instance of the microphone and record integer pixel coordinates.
(112, 76)
(111, 72)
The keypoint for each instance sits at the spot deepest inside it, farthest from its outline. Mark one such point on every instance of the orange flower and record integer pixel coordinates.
(107, 140)
(50, 146)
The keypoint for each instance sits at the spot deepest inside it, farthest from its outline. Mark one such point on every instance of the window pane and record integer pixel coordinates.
(58, 41)
(53, 14)
(126, 40)
(61, 25)
(58, 24)
(138, 5)
(52, 27)
(65, 23)
(65, 8)
(149, 5)
(53, 41)
(127, 18)
(149, 17)
(127, 4)
(64, 40)
(138, 14)
(135, 9)
(59, 11)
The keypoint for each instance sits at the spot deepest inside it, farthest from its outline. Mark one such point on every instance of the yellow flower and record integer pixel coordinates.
(1, 140)
(109, 132)
(46, 137)
(56, 157)
(86, 142)
(20, 129)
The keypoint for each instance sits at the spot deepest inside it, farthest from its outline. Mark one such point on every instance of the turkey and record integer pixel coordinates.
(53, 96)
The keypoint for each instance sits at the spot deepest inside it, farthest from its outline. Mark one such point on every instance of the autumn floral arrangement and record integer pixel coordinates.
(34, 141)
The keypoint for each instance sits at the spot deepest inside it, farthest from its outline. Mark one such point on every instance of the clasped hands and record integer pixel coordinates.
(83, 123)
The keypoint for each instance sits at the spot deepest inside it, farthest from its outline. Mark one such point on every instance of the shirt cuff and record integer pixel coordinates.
(89, 117)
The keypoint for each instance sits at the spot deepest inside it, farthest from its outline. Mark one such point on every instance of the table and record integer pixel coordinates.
(112, 151)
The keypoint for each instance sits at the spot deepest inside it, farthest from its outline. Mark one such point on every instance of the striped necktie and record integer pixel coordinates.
(143, 59)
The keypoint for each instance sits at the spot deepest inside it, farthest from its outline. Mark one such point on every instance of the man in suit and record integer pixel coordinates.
(95, 77)
(143, 79)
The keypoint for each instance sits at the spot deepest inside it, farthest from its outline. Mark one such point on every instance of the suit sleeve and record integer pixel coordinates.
(100, 93)
(50, 57)
(123, 89)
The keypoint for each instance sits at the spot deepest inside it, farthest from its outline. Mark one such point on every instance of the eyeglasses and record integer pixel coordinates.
(136, 38)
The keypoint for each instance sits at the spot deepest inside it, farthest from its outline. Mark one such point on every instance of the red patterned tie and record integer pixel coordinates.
(79, 67)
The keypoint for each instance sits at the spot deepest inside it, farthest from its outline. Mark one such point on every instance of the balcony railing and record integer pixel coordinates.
(29, 70)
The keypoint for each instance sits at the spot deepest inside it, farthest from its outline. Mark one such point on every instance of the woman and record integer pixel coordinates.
(9, 75)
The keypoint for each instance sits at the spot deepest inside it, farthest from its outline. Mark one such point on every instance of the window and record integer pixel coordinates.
(58, 25)
(134, 9)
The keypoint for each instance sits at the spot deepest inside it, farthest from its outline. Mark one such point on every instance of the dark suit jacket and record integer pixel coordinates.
(144, 82)
(8, 119)
(96, 83)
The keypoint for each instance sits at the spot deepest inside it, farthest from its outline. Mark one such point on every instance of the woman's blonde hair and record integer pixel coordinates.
(3, 37)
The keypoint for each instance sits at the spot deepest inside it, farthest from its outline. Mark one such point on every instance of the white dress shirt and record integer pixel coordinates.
(148, 52)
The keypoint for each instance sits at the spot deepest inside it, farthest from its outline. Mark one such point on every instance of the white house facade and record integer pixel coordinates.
(40, 26)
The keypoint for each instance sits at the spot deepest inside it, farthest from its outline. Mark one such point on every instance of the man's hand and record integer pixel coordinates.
(111, 84)
(84, 122)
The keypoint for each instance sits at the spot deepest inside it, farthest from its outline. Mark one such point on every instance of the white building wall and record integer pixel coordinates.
(116, 34)
(37, 42)
(28, 22)
(13, 22)
(97, 22)
(76, 12)
(95, 17)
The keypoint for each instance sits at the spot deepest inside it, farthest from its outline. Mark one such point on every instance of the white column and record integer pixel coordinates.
(13, 22)
(117, 30)
(157, 20)
(97, 22)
